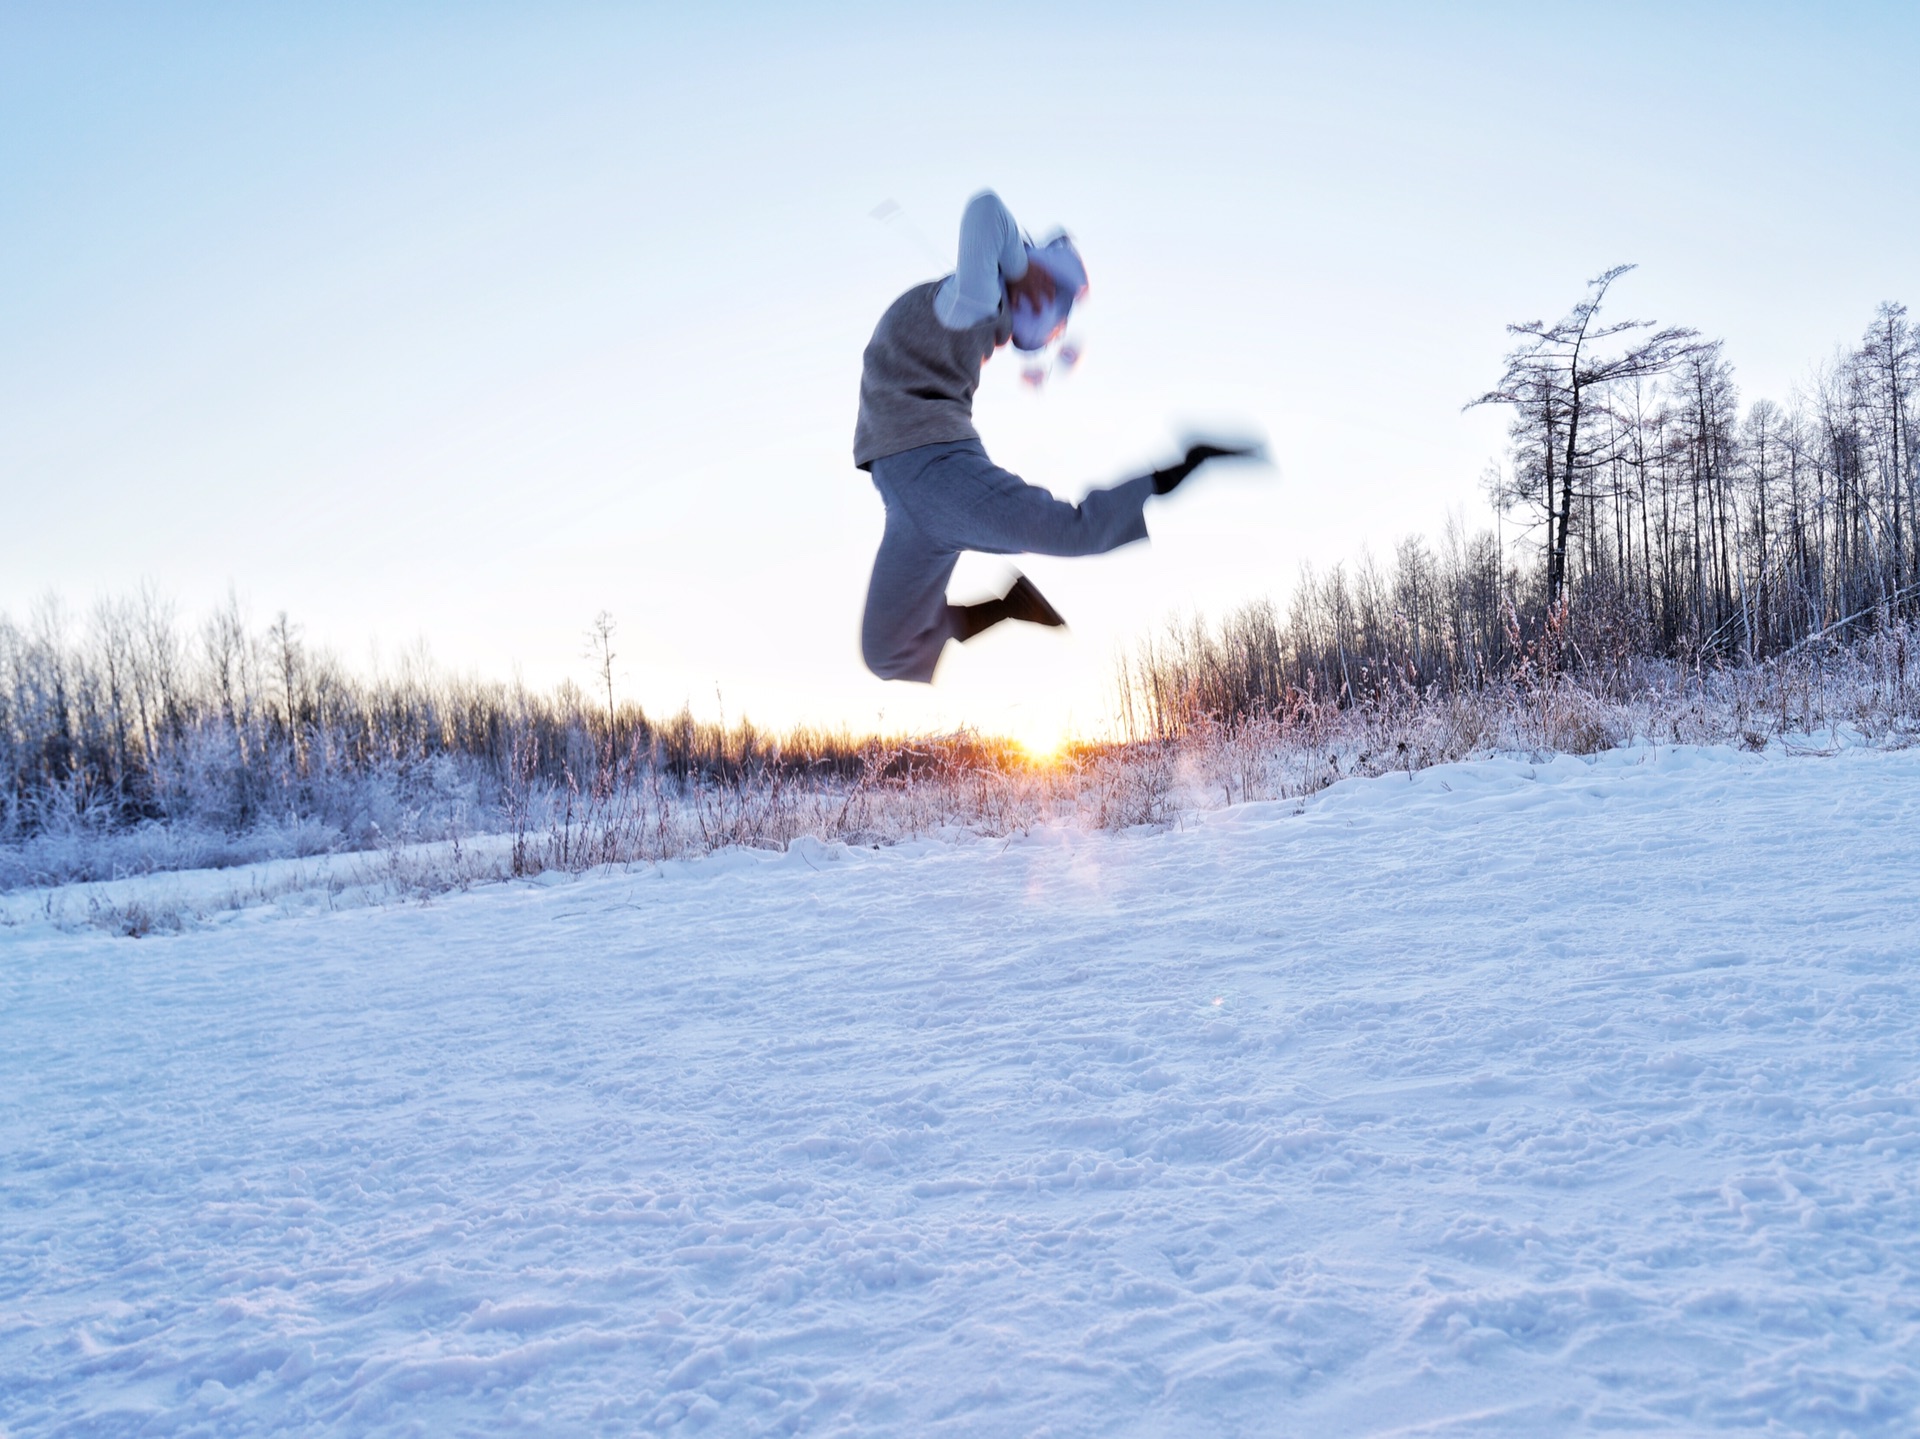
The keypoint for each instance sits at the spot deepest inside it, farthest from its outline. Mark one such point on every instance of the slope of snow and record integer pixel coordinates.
(1505, 1099)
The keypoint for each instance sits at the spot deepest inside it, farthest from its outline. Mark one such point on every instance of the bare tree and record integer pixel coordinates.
(1888, 366)
(1556, 380)
(283, 640)
(600, 650)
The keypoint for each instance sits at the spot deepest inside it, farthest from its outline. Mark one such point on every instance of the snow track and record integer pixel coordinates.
(1507, 1098)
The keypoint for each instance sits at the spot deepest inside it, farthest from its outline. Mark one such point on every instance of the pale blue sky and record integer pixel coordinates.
(464, 322)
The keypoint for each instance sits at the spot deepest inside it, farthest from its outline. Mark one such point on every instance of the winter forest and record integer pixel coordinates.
(1657, 530)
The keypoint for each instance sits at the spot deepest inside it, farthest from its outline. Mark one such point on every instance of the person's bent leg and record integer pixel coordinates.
(907, 621)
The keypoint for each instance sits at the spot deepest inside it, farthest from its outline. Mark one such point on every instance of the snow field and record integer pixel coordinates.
(1507, 1098)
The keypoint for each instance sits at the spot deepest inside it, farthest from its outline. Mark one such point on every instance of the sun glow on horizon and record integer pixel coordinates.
(1042, 738)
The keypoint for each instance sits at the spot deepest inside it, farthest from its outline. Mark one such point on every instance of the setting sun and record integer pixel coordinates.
(1043, 738)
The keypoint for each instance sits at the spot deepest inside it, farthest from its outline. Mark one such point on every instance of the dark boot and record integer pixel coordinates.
(1022, 602)
(1166, 481)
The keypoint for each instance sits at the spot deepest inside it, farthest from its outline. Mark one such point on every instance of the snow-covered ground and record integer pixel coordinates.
(1507, 1098)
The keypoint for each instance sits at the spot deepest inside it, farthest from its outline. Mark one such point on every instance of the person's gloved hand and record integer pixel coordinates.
(1164, 481)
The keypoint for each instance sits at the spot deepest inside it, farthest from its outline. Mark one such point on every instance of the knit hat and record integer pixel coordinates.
(1032, 328)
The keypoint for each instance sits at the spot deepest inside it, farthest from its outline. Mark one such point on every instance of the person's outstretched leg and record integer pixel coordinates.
(964, 501)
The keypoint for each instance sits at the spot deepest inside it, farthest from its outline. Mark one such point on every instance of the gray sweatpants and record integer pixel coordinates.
(942, 499)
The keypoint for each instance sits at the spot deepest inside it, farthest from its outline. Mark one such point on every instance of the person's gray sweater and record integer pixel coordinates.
(923, 363)
(918, 377)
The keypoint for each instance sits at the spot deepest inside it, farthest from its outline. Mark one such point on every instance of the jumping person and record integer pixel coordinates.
(915, 438)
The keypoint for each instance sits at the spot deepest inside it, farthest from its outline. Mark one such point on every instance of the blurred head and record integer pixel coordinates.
(1035, 329)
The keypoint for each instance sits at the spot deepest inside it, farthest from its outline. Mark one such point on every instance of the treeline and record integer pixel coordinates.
(1654, 517)
(129, 716)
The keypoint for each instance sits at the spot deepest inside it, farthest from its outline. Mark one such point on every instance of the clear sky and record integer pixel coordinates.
(460, 323)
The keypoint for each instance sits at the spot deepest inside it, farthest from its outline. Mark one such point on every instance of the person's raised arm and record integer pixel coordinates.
(990, 250)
